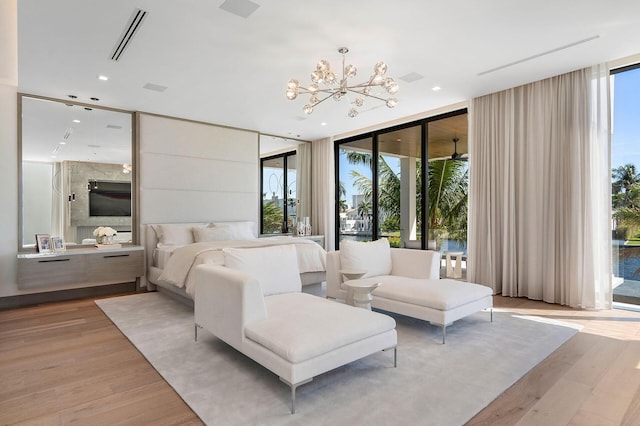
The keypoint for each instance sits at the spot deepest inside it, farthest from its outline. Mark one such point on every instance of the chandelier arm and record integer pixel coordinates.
(323, 99)
(366, 94)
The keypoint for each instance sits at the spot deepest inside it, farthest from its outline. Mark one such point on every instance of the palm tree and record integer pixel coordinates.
(448, 194)
(625, 186)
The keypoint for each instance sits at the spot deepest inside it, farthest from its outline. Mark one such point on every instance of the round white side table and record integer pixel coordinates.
(453, 271)
(351, 274)
(361, 293)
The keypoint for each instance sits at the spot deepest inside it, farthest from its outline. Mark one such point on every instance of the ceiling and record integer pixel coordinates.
(222, 68)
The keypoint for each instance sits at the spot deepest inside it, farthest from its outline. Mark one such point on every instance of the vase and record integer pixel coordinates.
(104, 239)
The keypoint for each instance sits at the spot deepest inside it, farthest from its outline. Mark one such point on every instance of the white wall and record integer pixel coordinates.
(196, 172)
(8, 146)
(37, 181)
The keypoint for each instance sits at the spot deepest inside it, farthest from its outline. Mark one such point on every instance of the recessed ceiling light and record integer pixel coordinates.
(63, 143)
(435, 88)
(103, 77)
(53, 156)
(323, 124)
(76, 121)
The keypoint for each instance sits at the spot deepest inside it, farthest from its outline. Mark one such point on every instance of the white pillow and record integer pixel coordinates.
(237, 230)
(175, 233)
(211, 233)
(374, 257)
(275, 267)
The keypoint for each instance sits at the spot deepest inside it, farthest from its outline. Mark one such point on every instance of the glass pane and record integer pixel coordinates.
(625, 184)
(448, 184)
(399, 185)
(355, 190)
(272, 195)
(292, 198)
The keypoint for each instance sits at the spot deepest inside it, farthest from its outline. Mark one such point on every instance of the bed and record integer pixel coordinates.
(174, 249)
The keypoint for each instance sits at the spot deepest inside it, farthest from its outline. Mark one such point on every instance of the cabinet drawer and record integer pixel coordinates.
(113, 266)
(48, 271)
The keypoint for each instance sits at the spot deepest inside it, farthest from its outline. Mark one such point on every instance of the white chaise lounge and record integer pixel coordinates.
(409, 280)
(254, 303)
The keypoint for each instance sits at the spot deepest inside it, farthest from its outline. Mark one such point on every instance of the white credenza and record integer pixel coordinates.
(81, 267)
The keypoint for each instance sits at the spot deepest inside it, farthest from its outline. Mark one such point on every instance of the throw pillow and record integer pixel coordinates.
(374, 257)
(275, 267)
(211, 233)
(175, 233)
(237, 230)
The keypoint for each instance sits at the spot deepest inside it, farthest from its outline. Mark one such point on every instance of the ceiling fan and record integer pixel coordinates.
(456, 155)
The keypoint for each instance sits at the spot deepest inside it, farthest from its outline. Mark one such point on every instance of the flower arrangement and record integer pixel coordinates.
(104, 234)
(104, 231)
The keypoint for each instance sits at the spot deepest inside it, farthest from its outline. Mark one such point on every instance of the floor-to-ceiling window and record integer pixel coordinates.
(625, 184)
(279, 197)
(389, 197)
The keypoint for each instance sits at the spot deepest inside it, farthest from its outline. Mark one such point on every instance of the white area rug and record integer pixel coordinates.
(434, 384)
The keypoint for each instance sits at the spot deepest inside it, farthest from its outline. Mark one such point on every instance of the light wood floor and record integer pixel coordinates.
(65, 362)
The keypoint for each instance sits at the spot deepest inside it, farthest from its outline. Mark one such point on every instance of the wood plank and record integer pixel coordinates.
(66, 362)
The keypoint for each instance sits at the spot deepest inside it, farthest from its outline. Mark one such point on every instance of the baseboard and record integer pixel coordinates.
(18, 301)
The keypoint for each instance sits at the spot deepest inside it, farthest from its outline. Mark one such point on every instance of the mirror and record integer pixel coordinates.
(76, 171)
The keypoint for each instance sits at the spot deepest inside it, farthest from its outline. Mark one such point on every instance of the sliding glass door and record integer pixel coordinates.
(625, 184)
(389, 198)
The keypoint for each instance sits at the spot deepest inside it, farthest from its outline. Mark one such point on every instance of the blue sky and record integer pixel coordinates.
(625, 140)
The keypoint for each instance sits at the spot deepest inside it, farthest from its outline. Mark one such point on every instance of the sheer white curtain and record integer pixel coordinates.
(539, 196)
(303, 180)
(323, 191)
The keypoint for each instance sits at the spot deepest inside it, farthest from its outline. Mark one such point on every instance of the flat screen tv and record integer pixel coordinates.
(109, 198)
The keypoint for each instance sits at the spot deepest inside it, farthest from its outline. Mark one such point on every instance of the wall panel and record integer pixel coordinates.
(191, 172)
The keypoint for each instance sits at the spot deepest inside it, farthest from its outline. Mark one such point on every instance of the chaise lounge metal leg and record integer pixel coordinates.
(395, 355)
(293, 392)
(491, 310)
(195, 332)
(444, 332)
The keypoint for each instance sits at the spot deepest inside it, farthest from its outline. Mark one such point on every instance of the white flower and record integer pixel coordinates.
(104, 231)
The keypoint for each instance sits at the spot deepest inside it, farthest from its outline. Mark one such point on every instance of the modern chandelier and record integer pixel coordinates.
(325, 84)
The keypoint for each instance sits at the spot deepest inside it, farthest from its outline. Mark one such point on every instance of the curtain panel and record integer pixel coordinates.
(540, 189)
(323, 191)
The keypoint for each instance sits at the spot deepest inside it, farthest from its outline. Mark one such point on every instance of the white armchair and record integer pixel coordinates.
(404, 263)
(404, 281)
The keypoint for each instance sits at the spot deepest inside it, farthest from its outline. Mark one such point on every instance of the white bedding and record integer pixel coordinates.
(311, 257)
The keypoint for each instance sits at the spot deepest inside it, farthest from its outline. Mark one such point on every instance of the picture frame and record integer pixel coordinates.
(43, 243)
(57, 244)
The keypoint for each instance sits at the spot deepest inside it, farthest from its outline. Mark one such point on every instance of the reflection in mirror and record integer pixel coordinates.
(286, 183)
(76, 171)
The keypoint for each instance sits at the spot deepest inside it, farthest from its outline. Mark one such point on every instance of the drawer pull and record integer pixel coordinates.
(53, 260)
(116, 255)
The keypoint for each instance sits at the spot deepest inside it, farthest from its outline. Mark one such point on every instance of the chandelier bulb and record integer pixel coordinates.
(293, 84)
(292, 94)
(353, 112)
(391, 102)
(359, 102)
(380, 68)
(350, 71)
(308, 109)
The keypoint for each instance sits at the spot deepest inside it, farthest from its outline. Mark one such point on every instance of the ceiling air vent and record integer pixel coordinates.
(130, 30)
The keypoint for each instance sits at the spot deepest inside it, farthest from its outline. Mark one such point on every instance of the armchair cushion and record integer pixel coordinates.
(371, 256)
(442, 295)
(320, 326)
(276, 267)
